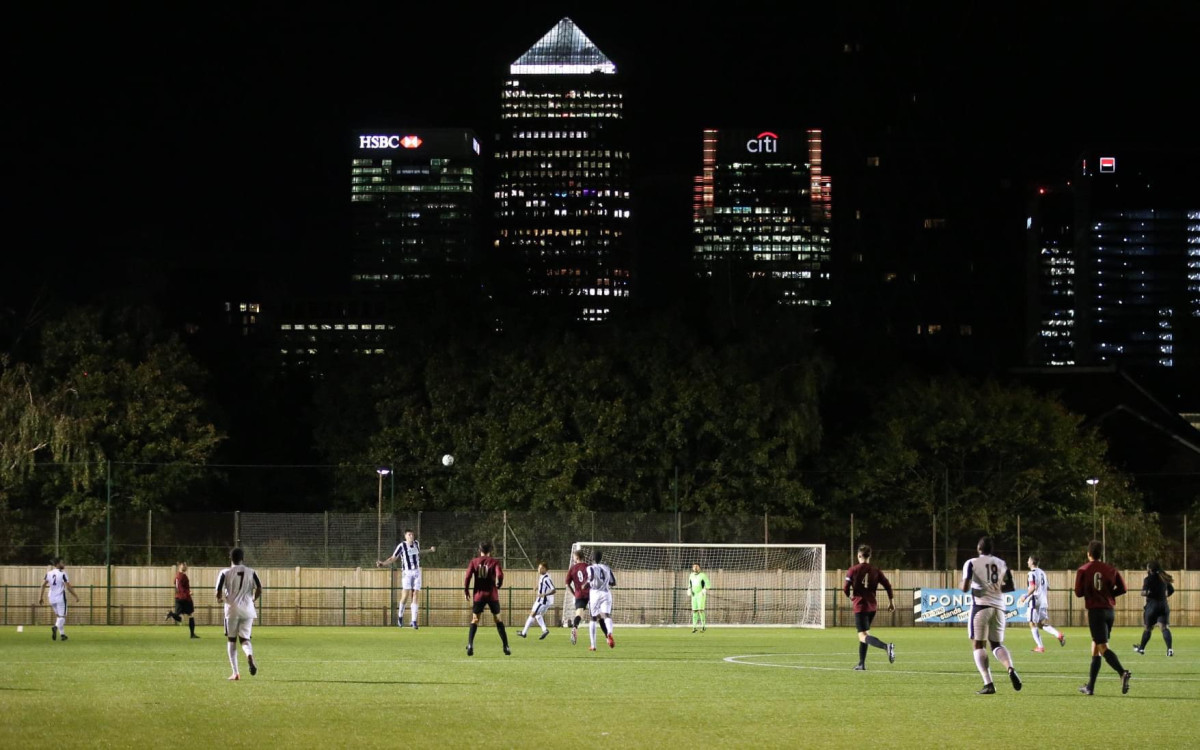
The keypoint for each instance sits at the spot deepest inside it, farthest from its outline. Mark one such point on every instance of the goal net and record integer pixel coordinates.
(750, 584)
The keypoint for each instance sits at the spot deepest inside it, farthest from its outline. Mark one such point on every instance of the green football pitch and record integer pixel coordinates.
(375, 687)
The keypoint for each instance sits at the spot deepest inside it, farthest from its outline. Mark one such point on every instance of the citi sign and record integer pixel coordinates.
(389, 141)
(765, 142)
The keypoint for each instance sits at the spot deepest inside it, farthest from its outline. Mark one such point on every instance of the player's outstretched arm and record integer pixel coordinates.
(389, 561)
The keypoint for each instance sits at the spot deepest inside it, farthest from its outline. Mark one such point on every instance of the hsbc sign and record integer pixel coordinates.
(389, 141)
(765, 142)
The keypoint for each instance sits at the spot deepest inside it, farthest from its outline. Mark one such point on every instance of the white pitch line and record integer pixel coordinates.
(889, 670)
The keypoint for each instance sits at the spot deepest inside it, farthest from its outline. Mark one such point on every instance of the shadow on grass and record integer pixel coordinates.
(27, 690)
(376, 682)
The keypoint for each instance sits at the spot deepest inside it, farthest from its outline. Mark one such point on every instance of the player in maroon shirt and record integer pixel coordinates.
(862, 581)
(486, 575)
(183, 600)
(577, 584)
(1100, 584)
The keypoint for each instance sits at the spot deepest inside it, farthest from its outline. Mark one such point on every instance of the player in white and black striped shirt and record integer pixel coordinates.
(543, 602)
(408, 552)
(600, 583)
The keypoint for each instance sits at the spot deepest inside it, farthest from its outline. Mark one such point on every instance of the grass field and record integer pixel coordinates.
(375, 687)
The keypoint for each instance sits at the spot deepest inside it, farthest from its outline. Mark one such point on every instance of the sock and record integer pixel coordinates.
(862, 652)
(232, 647)
(1002, 654)
(981, 663)
(414, 609)
(1037, 637)
(60, 623)
(1110, 656)
(471, 634)
(1167, 636)
(1145, 639)
(1051, 630)
(192, 625)
(607, 621)
(503, 633)
(528, 622)
(174, 617)
(873, 641)
(247, 649)
(703, 619)
(592, 632)
(400, 614)
(541, 623)
(695, 618)
(577, 619)
(1094, 673)
(603, 627)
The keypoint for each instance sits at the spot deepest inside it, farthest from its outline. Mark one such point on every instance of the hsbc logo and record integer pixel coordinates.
(765, 143)
(389, 141)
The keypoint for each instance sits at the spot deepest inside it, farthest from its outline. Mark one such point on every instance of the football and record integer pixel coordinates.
(447, 460)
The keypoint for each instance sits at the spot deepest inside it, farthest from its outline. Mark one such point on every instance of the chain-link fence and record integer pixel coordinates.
(350, 516)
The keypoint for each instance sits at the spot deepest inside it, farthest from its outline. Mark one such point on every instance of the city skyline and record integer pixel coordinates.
(219, 145)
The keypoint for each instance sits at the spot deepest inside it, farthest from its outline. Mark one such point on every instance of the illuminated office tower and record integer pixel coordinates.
(562, 177)
(415, 203)
(1114, 265)
(762, 209)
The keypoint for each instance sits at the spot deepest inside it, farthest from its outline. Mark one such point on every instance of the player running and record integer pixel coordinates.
(1156, 588)
(183, 600)
(1099, 584)
(1039, 606)
(238, 588)
(56, 580)
(485, 574)
(600, 582)
(987, 578)
(542, 602)
(861, 584)
(408, 552)
(698, 586)
(577, 584)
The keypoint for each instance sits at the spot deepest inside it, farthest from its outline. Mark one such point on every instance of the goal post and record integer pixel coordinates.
(753, 585)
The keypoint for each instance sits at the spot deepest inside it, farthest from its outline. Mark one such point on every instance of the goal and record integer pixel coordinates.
(752, 584)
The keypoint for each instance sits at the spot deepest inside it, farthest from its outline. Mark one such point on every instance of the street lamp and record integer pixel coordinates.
(1092, 482)
(382, 471)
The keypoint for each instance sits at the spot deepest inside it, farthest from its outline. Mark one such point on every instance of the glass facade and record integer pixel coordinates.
(415, 205)
(763, 206)
(562, 176)
(1117, 266)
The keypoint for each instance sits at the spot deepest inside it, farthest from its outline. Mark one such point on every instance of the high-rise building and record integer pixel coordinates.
(562, 176)
(415, 203)
(762, 207)
(1114, 265)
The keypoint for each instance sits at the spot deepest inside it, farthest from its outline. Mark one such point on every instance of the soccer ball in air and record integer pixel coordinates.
(447, 460)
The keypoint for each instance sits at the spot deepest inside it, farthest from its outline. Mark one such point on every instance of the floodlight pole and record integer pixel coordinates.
(382, 472)
(1092, 482)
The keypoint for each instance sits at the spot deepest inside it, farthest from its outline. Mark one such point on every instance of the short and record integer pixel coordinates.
(541, 605)
(184, 607)
(600, 603)
(1038, 615)
(238, 627)
(1156, 613)
(581, 604)
(410, 580)
(986, 624)
(494, 606)
(1100, 622)
(698, 600)
(863, 620)
(59, 607)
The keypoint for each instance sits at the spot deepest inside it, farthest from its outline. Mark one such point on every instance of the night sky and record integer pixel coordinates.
(217, 138)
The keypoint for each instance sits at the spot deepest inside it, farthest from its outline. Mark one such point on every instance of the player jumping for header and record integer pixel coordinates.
(408, 552)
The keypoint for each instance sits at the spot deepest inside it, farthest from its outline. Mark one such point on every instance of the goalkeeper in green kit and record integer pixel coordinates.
(698, 587)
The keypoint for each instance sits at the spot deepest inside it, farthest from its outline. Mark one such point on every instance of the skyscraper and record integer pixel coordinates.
(1114, 264)
(762, 208)
(415, 201)
(562, 177)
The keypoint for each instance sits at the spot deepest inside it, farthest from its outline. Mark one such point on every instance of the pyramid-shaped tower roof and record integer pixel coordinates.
(564, 50)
